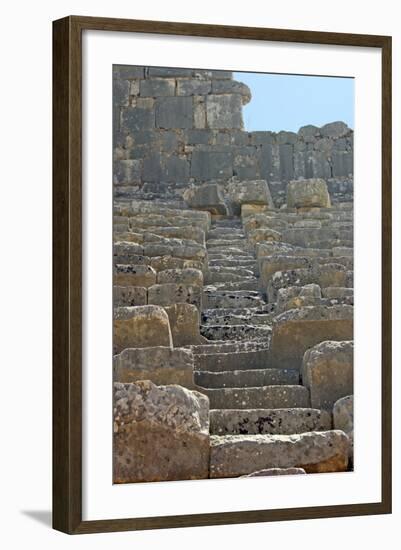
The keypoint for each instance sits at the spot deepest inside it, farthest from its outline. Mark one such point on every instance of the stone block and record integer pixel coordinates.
(193, 86)
(129, 296)
(184, 324)
(308, 193)
(141, 326)
(172, 72)
(224, 111)
(126, 172)
(121, 92)
(157, 87)
(268, 265)
(135, 118)
(286, 155)
(327, 371)
(134, 275)
(263, 234)
(296, 330)
(249, 192)
(210, 165)
(174, 112)
(175, 168)
(206, 197)
(161, 365)
(343, 419)
(128, 72)
(237, 455)
(335, 129)
(160, 433)
(188, 276)
(168, 294)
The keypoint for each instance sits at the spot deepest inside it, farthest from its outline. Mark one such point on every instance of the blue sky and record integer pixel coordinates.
(287, 102)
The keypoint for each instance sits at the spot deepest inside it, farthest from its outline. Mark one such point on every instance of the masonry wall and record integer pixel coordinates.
(178, 127)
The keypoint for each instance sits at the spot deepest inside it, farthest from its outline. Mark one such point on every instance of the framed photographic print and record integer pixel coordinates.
(222, 274)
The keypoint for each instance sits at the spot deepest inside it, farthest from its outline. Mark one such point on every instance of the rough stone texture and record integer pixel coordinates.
(327, 371)
(188, 276)
(134, 275)
(343, 419)
(137, 327)
(184, 324)
(206, 197)
(297, 330)
(171, 125)
(308, 193)
(249, 192)
(269, 421)
(128, 296)
(266, 397)
(161, 365)
(276, 472)
(169, 423)
(315, 452)
(168, 294)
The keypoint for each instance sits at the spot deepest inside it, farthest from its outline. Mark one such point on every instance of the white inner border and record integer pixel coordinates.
(102, 499)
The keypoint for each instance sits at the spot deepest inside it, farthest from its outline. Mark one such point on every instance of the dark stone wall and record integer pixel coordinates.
(176, 127)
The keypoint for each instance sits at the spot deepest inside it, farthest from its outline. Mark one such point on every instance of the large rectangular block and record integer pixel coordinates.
(174, 112)
(160, 364)
(157, 87)
(327, 371)
(168, 294)
(160, 433)
(297, 330)
(135, 118)
(207, 165)
(224, 111)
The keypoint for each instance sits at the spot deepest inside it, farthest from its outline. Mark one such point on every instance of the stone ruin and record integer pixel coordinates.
(233, 285)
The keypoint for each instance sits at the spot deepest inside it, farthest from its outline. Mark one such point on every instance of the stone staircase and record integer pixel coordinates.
(254, 292)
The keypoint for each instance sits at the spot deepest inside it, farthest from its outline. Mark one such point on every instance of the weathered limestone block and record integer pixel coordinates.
(224, 111)
(184, 324)
(127, 249)
(276, 472)
(206, 197)
(229, 86)
(188, 276)
(141, 326)
(264, 397)
(249, 192)
(168, 294)
(327, 371)
(128, 296)
(263, 235)
(337, 292)
(134, 275)
(161, 365)
(127, 171)
(268, 421)
(192, 86)
(343, 419)
(297, 330)
(261, 221)
(308, 193)
(268, 265)
(160, 433)
(326, 275)
(157, 87)
(251, 209)
(237, 455)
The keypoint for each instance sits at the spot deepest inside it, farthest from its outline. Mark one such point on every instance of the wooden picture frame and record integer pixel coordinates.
(67, 273)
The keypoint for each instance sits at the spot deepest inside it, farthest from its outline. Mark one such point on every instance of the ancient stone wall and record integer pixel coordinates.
(177, 127)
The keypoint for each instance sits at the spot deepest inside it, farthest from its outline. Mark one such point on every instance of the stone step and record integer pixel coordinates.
(246, 378)
(236, 455)
(219, 273)
(226, 299)
(212, 244)
(224, 358)
(235, 332)
(228, 252)
(268, 421)
(230, 277)
(246, 262)
(244, 283)
(232, 319)
(226, 233)
(215, 349)
(226, 222)
(264, 397)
